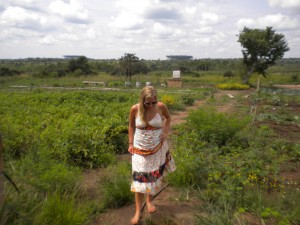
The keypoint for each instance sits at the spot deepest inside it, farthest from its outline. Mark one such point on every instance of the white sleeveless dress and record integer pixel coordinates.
(148, 171)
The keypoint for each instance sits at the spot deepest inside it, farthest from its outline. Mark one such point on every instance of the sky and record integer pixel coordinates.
(150, 29)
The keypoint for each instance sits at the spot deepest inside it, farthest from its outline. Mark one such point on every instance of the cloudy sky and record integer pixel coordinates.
(151, 29)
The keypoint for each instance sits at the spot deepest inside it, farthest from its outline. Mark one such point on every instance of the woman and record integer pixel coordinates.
(149, 124)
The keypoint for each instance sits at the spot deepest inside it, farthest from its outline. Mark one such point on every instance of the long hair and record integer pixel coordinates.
(147, 92)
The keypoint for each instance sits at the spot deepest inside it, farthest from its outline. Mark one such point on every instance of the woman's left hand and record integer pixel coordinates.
(163, 137)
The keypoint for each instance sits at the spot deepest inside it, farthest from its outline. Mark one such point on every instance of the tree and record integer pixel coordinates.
(228, 74)
(81, 64)
(261, 49)
(129, 62)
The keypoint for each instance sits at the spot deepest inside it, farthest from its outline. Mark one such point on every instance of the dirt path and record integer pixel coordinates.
(289, 86)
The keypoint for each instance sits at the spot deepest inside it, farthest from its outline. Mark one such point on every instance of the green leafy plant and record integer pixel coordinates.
(116, 187)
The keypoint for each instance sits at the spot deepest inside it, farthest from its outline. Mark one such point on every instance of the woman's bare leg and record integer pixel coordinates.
(138, 207)
(151, 207)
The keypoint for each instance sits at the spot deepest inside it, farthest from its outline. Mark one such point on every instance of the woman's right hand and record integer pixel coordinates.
(130, 149)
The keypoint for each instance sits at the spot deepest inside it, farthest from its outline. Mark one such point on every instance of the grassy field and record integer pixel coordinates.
(241, 162)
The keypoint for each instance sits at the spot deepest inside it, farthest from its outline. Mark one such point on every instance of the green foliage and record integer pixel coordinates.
(4, 71)
(214, 127)
(295, 78)
(116, 187)
(39, 179)
(79, 66)
(61, 210)
(173, 102)
(196, 72)
(233, 86)
(228, 74)
(191, 170)
(129, 62)
(80, 128)
(261, 49)
(188, 100)
(236, 171)
(44, 173)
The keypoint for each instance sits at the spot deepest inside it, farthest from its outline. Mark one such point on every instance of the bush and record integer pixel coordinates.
(228, 74)
(213, 127)
(188, 100)
(233, 86)
(172, 102)
(295, 78)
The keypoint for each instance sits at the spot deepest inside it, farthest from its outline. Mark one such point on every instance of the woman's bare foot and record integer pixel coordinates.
(151, 208)
(135, 220)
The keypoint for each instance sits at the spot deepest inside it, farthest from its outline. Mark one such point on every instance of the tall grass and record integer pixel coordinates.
(58, 209)
(116, 186)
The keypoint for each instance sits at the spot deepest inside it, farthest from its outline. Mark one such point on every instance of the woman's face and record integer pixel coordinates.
(150, 102)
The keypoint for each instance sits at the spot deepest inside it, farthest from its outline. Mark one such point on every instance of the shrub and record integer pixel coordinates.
(295, 78)
(233, 86)
(188, 100)
(191, 169)
(228, 74)
(168, 100)
(172, 102)
(214, 127)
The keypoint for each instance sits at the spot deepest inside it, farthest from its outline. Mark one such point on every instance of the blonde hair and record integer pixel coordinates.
(147, 92)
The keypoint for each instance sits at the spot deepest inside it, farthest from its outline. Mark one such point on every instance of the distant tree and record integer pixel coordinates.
(4, 71)
(228, 74)
(261, 49)
(129, 62)
(80, 63)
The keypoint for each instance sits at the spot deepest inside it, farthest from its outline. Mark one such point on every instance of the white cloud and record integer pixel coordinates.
(278, 21)
(21, 18)
(134, 6)
(161, 31)
(72, 12)
(285, 3)
(210, 18)
(149, 28)
(127, 20)
(48, 40)
(91, 34)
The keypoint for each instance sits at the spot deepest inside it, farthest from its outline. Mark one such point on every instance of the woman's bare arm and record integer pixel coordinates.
(131, 127)
(166, 128)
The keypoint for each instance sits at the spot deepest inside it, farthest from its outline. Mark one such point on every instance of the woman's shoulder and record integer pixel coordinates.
(161, 105)
(134, 108)
(163, 109)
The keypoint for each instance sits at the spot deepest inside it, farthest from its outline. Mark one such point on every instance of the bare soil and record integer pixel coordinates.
(177, 207)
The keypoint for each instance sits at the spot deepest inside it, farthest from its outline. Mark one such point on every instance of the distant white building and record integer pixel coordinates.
(72, 56)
